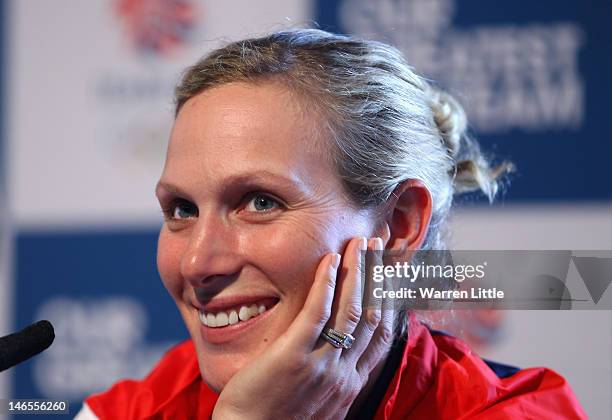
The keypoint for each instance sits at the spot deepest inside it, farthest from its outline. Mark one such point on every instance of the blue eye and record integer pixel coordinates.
(181, 210)
(262, 203)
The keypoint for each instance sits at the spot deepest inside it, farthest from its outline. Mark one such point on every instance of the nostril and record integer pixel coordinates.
(211, 285)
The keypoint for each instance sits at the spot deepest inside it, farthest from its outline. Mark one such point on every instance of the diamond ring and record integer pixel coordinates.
(338, 339)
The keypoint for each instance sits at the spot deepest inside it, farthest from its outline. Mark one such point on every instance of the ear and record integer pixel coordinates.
(407, 218)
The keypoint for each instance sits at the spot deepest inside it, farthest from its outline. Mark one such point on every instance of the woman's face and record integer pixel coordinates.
(252, 204)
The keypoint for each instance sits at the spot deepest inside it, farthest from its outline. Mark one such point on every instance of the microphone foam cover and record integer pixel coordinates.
(20, 346)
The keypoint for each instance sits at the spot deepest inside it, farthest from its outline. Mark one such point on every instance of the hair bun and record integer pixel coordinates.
(471, 170)
(450, 119)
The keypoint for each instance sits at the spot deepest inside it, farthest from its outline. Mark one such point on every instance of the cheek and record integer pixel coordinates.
(291, 252)
(169, 250)
(292, 261)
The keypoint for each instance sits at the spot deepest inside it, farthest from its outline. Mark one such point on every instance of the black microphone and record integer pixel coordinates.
(20, 346)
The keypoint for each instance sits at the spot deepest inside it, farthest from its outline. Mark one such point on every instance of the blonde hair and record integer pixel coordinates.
(387, 123)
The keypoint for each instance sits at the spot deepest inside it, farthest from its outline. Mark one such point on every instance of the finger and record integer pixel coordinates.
(380, 344)
(346, 309)
(383, 333)
(371, 305)
(307, 326)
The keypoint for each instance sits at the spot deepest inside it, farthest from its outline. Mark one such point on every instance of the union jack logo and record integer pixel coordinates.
(157, 26)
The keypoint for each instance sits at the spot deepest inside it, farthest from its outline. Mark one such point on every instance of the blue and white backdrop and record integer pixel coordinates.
(86, 112)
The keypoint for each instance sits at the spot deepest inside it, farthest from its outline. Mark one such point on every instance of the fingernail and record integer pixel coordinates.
(378, 244)
(363, 244)
(335, 262)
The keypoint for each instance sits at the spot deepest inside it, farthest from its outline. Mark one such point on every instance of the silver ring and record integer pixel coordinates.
(338, 339)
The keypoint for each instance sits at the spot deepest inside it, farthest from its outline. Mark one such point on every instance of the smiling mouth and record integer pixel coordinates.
(235, 315)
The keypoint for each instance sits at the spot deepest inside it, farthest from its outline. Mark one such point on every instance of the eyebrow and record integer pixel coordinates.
(171, 188)
(259, 176)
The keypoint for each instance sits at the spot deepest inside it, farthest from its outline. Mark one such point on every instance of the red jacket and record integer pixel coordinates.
(438, 377)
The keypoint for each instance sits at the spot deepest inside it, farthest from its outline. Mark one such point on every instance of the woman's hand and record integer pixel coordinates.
(303, 376)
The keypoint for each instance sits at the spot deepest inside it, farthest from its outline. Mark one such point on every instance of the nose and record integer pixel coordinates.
(211, 253)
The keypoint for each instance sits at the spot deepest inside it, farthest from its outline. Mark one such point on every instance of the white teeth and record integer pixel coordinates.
(211, 320)
(233, 317)
(244, 313)
(223, 318)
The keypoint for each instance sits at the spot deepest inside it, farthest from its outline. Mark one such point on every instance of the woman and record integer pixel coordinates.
(290, 155)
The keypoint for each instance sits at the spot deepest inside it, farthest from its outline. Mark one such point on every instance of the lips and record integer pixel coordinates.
(227, 319)
(231, 302)
(238, 313)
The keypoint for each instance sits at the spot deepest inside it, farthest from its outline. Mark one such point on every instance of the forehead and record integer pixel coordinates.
(241, 126)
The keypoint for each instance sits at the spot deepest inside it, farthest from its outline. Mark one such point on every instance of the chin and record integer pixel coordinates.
(217, 374)
(223, 352)
(216, 384)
